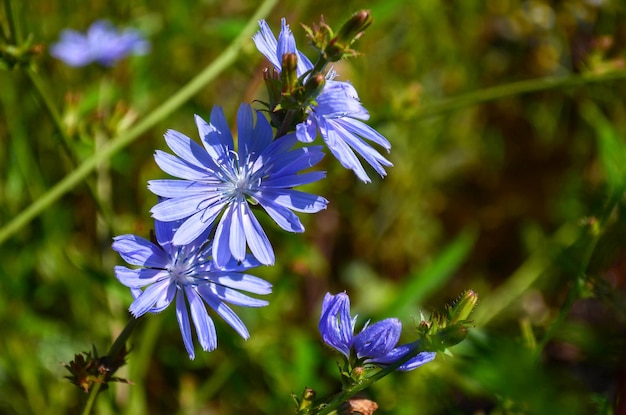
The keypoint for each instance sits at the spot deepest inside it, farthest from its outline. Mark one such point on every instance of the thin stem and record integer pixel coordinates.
(14, 30)
(48, 103)
(113, 354)
(351, 391)
(512, 89)
(112, 147)
(91, 399)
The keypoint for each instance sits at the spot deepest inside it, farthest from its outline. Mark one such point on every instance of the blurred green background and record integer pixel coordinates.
(518, 198)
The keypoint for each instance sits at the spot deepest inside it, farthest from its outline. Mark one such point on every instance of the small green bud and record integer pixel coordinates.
(289, 76)
(314, 86)
(308, 396)
(339, 46)
(463, 307)
(354, 27)
(448, 337)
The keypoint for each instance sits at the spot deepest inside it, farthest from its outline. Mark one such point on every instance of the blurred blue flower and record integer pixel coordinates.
(187, 274)
(218, 178)
(337, 112)
(103, 44)
(375, 344)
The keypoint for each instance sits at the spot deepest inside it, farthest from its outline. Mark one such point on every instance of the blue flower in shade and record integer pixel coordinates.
(187, 274)
(102, 44)
(375, 344)
(218, 178)
(336, 114)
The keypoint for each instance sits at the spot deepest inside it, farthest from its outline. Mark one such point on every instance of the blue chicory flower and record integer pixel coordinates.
(186, 274)
(337, 112)
(103, 44)
(375, 344)
(218, 178)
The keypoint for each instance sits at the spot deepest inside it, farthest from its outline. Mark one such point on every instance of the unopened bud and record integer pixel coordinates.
(314, 86)
(463, 307)
(339, 46)
(352, 29)
(308, 396)
(449, 336)
(289, 74)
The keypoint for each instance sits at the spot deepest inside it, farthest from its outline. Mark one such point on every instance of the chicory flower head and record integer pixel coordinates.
(375, 344)
(219, 178)
(102, 43)
(337, 112)
(186, 274)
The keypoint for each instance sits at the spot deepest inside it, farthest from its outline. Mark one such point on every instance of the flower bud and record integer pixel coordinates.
(339, 46)
(352, 29)
(463, 307)
(314, 86)
(448, 337)
(289, 76)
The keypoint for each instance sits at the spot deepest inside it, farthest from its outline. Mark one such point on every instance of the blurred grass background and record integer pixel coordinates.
(498, 197)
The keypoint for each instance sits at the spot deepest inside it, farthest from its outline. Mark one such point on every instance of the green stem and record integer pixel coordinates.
(515, 88)
(113, 354)
(49, 105)
(14, 30)
(189, 90)
(351, 391)
(91, 399)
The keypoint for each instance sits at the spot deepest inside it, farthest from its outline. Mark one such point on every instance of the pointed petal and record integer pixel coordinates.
(138, 251)
(225, 312)
(243, 282)
(188, 150)
(135, 278)
(183, 322)
(205, 328)
(156, 292)
(176, 167)
(257, 239)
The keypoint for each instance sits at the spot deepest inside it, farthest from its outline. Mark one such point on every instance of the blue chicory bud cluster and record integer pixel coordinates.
(375, 344)
(208, 238)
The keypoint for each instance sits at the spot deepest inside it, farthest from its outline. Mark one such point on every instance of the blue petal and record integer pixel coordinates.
(378, 339)
(188, 150)
(205, 328)
(306, 131)
(139, 251)
(182, 207)
(293, 199)
(341, 150)
(363, 130)
(180, 188)
(401, 351)
(156, 292)
(195, 226)
(258, 242)
(265, 42)
(285, 218)
(221, 249)
(245, 130)
(178, 168)
(183, 322)
(235, 297)
(216, 136)
(135, 278)
(336, 326)
(282, 182)
(243, 282)
(225, 312)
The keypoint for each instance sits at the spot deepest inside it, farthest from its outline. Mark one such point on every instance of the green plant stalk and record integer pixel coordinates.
(114, 351)
(14, 32)
(512, 89)
(207, 75)
(351, 391)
